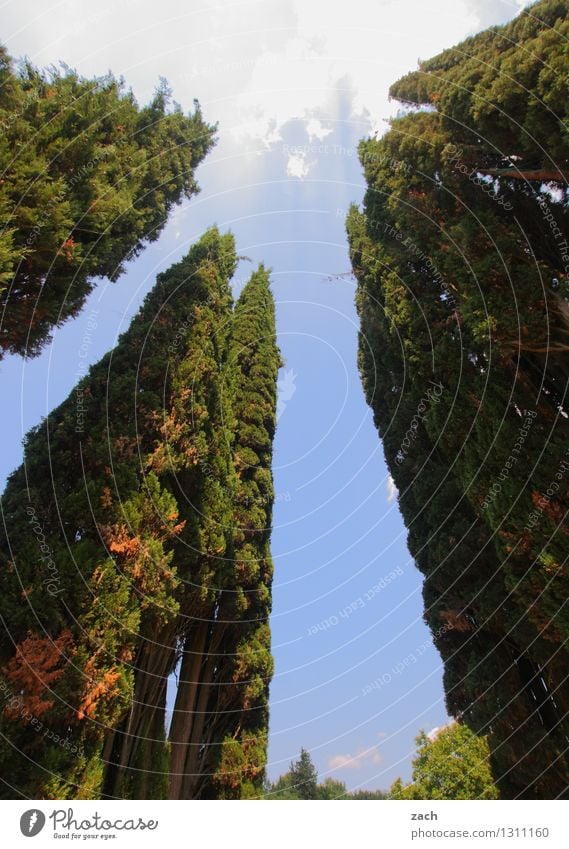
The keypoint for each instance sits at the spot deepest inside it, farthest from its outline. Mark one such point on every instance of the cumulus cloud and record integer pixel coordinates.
(316, 130)
(323, 52)
(356, 761)
(490, 12)
(297, 165)
(255, 65)
(392, 491)
(434, 732)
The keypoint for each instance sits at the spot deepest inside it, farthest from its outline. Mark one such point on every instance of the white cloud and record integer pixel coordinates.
(286, 388)
(357, 761)
(327, 50)
(392, 491)
(258, 126)
(297, 165)
(254, 65)
(293, 81)
(434, 732)
(315, 130)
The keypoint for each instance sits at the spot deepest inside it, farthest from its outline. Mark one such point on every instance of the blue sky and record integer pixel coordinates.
(294, 86)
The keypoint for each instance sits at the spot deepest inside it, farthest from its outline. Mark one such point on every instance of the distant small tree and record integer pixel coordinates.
(301, 782)
(367, 795)
(453, 765)
(304, 776)
(282, 789)
(332, 789)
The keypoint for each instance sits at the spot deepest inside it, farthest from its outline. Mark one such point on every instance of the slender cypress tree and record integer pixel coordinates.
(241, 705)
(192, 457)
(219, 729)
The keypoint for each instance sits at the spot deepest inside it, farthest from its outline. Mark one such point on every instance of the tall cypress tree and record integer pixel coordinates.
(463, 348)
(192, 457)
(87, 178)
(241, 704)
(150, 492)
(219, 729)
(106, 525)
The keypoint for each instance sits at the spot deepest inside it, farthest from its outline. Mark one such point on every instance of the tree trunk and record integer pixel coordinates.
(183, 718)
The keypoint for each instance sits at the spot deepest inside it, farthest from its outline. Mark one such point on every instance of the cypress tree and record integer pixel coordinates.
(462, 298)
(150, 491)
(241, 706)
(88, 177)
(219, 730)
(304, 777)
(106, 526)
(193, 457)
(480, 633)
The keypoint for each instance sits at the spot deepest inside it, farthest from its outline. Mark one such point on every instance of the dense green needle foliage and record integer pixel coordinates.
(242, 708)
(462, 266)
(136, 543)
(87, 177)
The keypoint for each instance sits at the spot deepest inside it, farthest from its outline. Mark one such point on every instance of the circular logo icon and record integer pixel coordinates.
(32, 822)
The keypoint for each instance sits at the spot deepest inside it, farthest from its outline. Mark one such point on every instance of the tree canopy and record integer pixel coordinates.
(136, 546)
(88, 177)
(462, 292)
(452, 764)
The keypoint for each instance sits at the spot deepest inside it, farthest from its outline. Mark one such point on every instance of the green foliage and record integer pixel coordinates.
(367, 795)
(508, 82)
(304, 776)
(301, 782)
(282, 789)
(88, 178)
(453, 765)
(250, 382)
(105, 545)
(463, 355)
(331, 788)
(150, 490)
